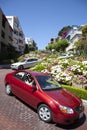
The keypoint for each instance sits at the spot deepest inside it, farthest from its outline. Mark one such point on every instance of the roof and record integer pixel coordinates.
(35, 73)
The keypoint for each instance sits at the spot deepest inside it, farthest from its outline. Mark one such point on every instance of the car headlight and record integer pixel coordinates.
(66, 110)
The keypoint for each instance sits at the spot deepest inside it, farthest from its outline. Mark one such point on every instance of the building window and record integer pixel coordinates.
(15, 24)
(16, 32)
(3, 34)
(20, 34)
(20, 41)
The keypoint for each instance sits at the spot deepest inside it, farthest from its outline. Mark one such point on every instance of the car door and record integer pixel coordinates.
(25, 91)
(17, 83)
(31, 62)
(27, 63)
(30, 93)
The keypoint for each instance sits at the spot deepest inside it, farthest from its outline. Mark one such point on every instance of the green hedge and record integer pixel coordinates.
(77, 91)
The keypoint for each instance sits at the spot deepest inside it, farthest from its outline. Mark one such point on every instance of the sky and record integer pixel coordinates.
(43, 19)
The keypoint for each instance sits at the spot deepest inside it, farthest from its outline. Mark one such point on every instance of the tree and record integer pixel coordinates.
(63, 32)
(84, 31)
(30, 47)
(59, 45)
(49, 47)
(26, 49)
(81, 47)
(33, 46)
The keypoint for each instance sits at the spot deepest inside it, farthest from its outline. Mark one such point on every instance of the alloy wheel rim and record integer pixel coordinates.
(44, 113)
(8, 89)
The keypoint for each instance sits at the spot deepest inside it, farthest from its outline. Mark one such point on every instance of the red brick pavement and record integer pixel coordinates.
(14, 114)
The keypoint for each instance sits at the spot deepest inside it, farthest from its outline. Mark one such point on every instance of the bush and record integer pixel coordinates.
(77, 91)
(39, 67)
(86, 87)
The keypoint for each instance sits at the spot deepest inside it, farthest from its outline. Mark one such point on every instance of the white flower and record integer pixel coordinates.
(45, 71)
(68, 78)
(56, 69)
(84, 72)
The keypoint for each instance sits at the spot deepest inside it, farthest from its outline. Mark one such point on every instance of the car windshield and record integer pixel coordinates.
(48, 83)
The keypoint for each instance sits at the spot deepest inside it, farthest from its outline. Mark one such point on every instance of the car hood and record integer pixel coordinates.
(64, 97)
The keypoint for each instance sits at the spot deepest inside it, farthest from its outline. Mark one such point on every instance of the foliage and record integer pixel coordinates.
(77, 91)
(63, 32)
(26, 50)
(81, 46)
(59, 45)
(8, 53)
(65, 71)
(84, 31)
(30, 47)
(39, 67)
(49, 47)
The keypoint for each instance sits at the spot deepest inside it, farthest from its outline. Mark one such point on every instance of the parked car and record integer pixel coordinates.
(64, 55)
(25, 63)
(52, 102)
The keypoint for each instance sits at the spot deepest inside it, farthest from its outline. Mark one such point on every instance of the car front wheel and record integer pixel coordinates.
(44, 113)
(8, 89)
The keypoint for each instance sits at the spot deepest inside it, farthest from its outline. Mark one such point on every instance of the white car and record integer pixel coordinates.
(25, 63)
(64, 55)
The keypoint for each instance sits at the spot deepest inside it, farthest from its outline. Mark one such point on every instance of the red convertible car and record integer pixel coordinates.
(43, 93)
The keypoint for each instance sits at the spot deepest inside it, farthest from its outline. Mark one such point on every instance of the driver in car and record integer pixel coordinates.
(29, 80)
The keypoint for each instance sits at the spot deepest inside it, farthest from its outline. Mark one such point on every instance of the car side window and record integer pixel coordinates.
(29, 60)
(29, 80)
(33, 59)
(20, 75)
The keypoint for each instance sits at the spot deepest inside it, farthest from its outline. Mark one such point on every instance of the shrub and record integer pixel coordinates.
(39, 67)
(77, 91)
(86, 87)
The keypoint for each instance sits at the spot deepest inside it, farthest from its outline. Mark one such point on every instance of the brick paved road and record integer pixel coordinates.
(14, 114)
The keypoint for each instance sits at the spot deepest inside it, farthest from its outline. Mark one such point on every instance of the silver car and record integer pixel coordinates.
(64, 55)
(25, 63)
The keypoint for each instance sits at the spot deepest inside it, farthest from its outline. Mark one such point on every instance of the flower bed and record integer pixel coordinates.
(65, 71)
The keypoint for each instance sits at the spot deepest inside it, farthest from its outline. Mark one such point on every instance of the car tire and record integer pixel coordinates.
(21, 67)
(8, 89)
(44, 113)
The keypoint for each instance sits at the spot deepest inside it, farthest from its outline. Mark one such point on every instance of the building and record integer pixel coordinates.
(30, 44)
(18, 35)
(73, 35)
(29, 41)
(5, 35)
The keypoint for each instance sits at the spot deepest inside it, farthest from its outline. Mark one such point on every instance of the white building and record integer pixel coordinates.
(74, 35)
(18, 35)
(29, 41)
